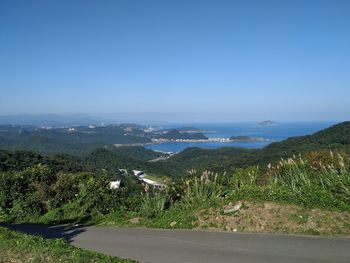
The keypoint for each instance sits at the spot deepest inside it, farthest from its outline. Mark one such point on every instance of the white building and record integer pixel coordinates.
(138, 173)
(123, 171)
(152, 183)
(114, 184)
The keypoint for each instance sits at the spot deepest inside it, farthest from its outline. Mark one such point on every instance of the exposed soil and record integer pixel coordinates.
(275, 218)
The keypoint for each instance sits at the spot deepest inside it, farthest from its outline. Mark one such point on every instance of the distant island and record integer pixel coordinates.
(268, 123)
(180, 134)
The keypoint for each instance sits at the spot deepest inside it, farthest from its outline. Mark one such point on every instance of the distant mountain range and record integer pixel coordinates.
(53, 120)
(65, 120)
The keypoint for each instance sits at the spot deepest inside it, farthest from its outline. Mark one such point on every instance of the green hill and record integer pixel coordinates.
(75, 141)
(68, 189)
(218, 160)
(20, 160)
(176, 134)
(335, 137)
(81, 140)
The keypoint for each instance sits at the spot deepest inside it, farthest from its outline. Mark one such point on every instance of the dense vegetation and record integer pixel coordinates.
(113, 158)
(81, 140)
(17, 247)
(176, 134)
(136, 152)
(217, 160)
(75, 141)
(36, 194)
(35, 188)
(19, 160)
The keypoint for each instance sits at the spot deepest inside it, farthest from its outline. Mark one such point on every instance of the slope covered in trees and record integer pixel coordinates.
(227, 159)
(20, 160)
(81, 140)
(336, 137)
(52, 189)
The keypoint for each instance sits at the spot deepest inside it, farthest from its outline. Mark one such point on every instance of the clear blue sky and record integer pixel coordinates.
(212, 60)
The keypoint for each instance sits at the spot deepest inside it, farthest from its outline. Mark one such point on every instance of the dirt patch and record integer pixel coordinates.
(15, 257)
(135, 220)
(275, 218)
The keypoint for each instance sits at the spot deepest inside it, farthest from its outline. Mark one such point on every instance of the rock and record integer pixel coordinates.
(135, 220)
(229, 210)
(172, 224)
(232, 209)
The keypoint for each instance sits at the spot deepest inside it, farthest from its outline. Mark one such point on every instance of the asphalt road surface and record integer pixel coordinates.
(163, 246)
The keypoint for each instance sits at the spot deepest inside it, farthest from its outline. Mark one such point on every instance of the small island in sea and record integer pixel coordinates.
(175, 134)
(268, 123)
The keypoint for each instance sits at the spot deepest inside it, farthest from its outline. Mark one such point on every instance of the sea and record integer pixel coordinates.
(273, 133)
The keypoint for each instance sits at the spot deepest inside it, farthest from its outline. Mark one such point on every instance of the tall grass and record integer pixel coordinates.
(153, 204)
(192, 192)
(298, 173)
(208, 188)
(244, 178)
(315, 180)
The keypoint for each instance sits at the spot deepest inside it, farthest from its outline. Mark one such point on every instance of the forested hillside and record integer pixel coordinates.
(62, 189)
(75, 140)
(20, 160)
(81, 140)
(336, 137)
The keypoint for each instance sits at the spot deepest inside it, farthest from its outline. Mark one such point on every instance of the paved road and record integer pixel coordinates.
(150, 245)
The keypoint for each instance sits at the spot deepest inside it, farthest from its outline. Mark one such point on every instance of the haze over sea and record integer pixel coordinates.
(278, 132)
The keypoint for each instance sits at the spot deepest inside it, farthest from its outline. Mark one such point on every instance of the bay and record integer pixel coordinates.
(278, 132)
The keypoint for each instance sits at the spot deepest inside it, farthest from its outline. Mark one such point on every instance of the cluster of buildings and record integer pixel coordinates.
(161, 140)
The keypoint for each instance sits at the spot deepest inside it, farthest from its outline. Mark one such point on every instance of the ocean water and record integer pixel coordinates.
(275, 133)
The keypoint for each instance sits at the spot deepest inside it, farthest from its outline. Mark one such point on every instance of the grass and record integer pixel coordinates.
(177, 217)
(306, 182)
(17, 247)
(317, 192)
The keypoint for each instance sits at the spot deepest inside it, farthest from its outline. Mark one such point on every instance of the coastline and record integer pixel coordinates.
(211, 139)
(220, 140)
